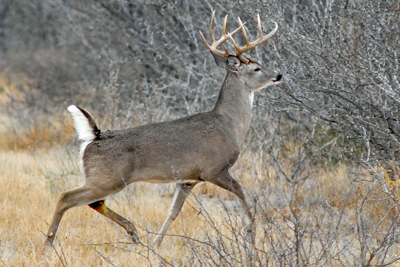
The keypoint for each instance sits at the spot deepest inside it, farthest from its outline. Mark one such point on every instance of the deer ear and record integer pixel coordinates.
(233, 63)
(220, 60)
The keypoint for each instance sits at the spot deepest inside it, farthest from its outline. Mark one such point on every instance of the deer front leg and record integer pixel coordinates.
(101, 208)
(181, 193)
(227, 182)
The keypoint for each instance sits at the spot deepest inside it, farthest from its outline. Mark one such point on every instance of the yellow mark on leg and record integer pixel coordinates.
(104, 208)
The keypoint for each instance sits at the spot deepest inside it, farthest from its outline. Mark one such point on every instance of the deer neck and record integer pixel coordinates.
(234, 105)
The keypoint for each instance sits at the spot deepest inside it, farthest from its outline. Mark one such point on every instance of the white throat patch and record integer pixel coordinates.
(251, 98)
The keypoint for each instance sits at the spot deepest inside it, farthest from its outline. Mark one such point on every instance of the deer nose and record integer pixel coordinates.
(279, 77)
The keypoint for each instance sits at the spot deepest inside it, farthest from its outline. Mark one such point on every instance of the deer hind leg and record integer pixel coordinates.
(101, 208)
(73, 198)
(181, 193)
(227, 182)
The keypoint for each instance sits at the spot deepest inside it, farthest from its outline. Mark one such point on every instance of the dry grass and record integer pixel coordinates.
(31, 181)
(36, 131)
(29, 185)
(36, 135)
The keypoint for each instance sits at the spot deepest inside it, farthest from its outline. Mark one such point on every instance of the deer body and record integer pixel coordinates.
(175, 151)
(185, 151)
(162, 152)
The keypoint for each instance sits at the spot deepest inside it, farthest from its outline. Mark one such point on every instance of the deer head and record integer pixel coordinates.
(253, 75)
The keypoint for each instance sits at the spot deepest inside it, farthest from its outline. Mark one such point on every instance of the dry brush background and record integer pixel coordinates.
(320, 164)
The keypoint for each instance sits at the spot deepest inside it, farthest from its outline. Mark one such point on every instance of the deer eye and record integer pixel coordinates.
(257, 69)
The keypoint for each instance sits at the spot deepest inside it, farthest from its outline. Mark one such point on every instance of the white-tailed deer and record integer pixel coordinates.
(186, 151)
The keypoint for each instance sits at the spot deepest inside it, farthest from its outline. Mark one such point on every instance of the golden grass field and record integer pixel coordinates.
(27, 205)
(31, 180)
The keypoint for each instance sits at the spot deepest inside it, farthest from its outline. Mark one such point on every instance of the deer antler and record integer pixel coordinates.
(225, 36)
(249, 45)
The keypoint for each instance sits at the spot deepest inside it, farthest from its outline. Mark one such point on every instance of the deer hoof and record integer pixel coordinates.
(250, 234)
(48, 242)
(134, 237)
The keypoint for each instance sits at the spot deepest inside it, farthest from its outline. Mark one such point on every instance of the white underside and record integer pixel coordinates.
(163, 181)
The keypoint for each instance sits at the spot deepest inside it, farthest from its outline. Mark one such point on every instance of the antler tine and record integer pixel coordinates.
(212, 27)
(272, 33)
(259, 25)
(249, 45)
(224, 25)
(243, 31)
(225, 36)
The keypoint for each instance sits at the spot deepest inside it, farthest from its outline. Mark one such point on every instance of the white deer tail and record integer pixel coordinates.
(84, 124)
